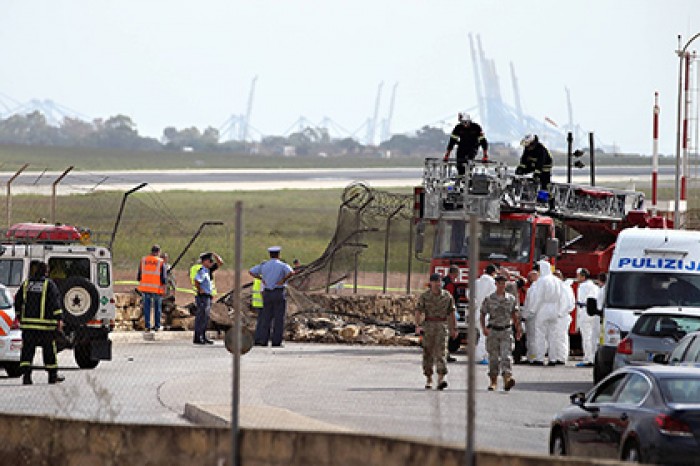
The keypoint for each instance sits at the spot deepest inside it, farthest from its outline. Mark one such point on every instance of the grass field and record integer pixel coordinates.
(301, 221)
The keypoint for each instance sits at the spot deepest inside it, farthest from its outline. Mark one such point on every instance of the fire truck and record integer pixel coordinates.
(83, 272)
(571, 225)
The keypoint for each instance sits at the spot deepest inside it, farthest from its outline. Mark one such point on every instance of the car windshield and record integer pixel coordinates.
(681, 389)
(5, 299)
(673, 326)
(507, 241)
(642, 290)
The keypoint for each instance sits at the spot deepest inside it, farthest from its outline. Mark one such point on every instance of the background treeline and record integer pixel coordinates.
(120, 132)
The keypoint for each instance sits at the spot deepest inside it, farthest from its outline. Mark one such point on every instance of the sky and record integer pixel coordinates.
(190, 63)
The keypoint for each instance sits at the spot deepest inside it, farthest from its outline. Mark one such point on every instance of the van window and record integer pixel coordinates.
(61, 268)
(11, 272)
(642, 290)
(103, 274)
(6, 301)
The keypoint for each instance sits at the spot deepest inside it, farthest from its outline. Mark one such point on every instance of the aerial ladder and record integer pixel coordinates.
(487, 188)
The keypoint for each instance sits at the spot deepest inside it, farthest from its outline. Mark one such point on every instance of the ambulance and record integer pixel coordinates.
(649, 268)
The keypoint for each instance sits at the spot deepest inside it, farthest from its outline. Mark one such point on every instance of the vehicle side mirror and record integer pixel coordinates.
(551, 248)
(660, 358)
(420, 236)
(592, 307)
(578, 398)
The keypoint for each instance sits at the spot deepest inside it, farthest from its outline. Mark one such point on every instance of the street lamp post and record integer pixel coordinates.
(677, 200)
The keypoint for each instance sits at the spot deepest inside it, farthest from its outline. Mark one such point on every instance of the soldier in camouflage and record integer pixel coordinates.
(501, 308)
(436, 311)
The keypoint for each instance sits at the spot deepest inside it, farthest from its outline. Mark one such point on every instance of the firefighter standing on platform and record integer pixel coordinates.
(438, 309)
(38, 304)
(468, 136)
(537, 160)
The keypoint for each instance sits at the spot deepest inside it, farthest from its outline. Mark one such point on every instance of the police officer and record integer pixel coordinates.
(536, 159)
(274, 275)
(38, 303)
(436, 311)
(205, 290)
(501, 308)
(468, 136)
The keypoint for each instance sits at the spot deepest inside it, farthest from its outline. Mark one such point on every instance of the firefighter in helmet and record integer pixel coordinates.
(468, 136)
(38, 303)
(537, 160)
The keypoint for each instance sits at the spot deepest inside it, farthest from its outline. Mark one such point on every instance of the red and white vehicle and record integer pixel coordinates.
(573, 225)
(83, 273)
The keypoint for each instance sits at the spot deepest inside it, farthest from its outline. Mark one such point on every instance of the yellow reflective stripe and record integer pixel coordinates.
(37, 327)
(454, 136)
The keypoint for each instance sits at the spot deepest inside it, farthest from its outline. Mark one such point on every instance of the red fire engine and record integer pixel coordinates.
(574, 225)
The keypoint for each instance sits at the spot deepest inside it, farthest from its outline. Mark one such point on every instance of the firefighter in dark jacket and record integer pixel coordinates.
(468, 136)
(536, 159)
(38, 304)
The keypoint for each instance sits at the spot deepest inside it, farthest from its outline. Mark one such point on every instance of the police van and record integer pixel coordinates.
(649, 268)
(83, 273)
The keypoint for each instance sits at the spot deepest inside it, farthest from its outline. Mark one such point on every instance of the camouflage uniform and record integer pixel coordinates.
(499, 343)
(436, 310)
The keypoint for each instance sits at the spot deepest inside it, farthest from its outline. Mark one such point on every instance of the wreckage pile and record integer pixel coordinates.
(322, 318)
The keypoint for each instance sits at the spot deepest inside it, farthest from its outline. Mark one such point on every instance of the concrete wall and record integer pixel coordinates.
(30, 440)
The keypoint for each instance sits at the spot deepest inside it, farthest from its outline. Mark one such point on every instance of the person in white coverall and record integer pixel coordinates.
(485, 286)
(589, 326)
(559, 350)
(528, 313)
(546, 299)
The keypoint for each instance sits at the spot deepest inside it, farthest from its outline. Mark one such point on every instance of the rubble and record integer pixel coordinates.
(321, 318)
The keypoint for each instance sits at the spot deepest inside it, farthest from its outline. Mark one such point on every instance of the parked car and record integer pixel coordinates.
(10, 335)
(655, 334)
(648, 414)
(687, 352)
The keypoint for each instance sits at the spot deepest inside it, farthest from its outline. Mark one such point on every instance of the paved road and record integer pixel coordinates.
(310, 386)
(257, 179)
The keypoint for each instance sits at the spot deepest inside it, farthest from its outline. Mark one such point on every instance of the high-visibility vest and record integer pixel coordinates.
(151, 273)
(256, 298)
(194, 270)
(40, 321)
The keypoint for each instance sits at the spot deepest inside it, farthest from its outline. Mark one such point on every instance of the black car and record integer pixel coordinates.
(648, 414)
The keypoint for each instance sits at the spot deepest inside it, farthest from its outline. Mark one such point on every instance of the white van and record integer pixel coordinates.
(83, 273)
(649, 268)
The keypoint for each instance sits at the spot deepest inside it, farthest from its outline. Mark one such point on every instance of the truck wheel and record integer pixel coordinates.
(13, 370)
(80, 300)
(82, 357)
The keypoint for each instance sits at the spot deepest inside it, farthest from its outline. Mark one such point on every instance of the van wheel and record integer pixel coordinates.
(80, 300)
(13, 370)
(82, 357)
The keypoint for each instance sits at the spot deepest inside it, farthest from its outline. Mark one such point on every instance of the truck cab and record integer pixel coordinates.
(83, 273)
(649, 268)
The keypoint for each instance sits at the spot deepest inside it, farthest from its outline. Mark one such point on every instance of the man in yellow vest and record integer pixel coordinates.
(152, 277)
(38, 304)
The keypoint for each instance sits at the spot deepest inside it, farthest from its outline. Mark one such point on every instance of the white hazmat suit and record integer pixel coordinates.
(559, 348)
(528, 313)
(547, 300)
(588, 325)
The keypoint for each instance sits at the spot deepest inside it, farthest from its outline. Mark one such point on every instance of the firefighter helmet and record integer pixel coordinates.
(464, 117)
(528, 140)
